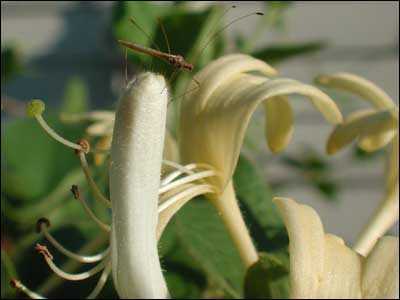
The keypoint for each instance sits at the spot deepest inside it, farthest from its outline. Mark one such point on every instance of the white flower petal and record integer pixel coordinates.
(359, 86)
(135, 171)
(214, 118)
(367, 126)
(381, 270)
(323, 267)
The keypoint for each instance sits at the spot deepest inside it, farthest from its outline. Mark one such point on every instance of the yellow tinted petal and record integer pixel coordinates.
(358, 86)
(371, 143)
(321, 265)
(214, 119)
(367, 126)
(381, 270)
(306, 247)
(278, 123)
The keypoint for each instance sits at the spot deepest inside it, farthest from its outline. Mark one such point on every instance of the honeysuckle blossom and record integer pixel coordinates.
(373, 129)
(214, 119)
(323, 267)
(141, 203)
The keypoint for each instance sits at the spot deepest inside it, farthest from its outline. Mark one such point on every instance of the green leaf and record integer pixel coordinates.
(182, 285)
(363, 156)
(11, 63)
(327, 187)
(206, 241)
(32, 162)
(267, 279)
(76, 96)
(275, 13)
(279, 53)
(265, 223)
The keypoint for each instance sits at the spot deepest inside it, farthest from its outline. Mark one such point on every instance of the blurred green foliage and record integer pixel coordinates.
(11, 64)
(267, 279)
(316, 171)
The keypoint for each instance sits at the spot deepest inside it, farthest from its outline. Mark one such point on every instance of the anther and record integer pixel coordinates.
(40, 223)
(44, 251)
(75, 192)
(85, 147)
(15, 284)
(35, 107)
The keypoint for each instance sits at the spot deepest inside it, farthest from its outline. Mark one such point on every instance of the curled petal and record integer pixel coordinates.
(367, 126)
(359, 86)
(371, 143)
(278, 123)
(214, 118)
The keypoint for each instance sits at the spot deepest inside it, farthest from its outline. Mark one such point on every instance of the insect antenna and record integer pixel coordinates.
(145, 33)
(164, 34)
(215, 34)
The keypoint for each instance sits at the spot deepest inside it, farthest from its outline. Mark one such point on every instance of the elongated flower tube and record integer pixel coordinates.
(323, 267)
(214, 119)
(142, 201)
(135, 172)
(373, 129)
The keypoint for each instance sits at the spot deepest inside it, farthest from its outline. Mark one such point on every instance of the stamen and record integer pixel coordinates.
(95, 292)
(96, 192)
(35, 108)
(67, 276)
(175, 166)
(188, 169)
(75, 192)
(42, 227)
(102, 281)
(190, 192)
(22, 288)
(187, 179)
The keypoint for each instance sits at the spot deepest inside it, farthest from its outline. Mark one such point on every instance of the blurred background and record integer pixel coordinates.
(65, 53)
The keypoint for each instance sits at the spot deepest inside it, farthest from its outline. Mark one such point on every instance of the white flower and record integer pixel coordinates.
(214, 119)
(141, 202)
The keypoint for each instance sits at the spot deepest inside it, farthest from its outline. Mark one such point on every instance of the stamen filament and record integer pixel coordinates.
(55, 135)
(187, 179)
(188, 169)
(43, 225)
(192, 192)
(102, 281)
(95, 292)
(22, 288)
(93, 186)
(171, 176)
(67, 276)
(87, 209)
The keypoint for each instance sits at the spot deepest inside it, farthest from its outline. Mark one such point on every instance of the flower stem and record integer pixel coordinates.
(229, 211)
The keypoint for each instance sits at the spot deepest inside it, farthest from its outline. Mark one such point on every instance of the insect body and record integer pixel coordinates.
(176, 60)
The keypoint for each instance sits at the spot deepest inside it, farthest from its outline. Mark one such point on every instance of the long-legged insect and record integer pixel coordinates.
(174, 59)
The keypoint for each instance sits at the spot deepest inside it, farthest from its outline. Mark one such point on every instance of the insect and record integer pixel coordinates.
(174, 59)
